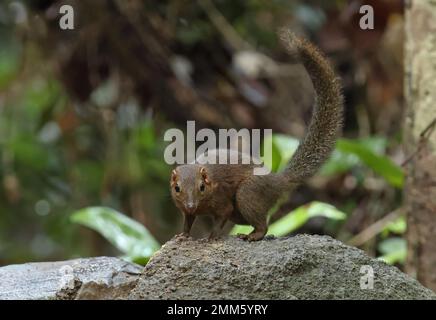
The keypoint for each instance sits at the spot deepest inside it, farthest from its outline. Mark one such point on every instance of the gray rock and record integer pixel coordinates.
(92, 278)
(301, 267)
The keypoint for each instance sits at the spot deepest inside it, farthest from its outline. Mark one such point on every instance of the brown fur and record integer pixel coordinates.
(232, 192)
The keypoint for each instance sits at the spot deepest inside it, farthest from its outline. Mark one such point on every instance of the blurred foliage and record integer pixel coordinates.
(296, 218)
(392, 247)
(348, 155)
(398, 226)
(9, 59)
(127, 235)
(393, 250)
(53, 161)
(379, 163)
(60, 153)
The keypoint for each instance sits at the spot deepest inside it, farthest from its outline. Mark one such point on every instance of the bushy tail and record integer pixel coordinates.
(326, 121)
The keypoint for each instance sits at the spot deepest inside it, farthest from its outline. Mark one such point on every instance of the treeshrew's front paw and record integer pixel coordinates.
(183, 235)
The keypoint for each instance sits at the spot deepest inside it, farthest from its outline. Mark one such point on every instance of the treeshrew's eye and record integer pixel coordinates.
(202, 187)
(177, 189)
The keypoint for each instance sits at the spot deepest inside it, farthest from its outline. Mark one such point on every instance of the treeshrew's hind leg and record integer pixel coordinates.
(253, 200)
(258, 233)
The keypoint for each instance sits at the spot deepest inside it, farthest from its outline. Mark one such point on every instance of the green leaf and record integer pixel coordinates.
(397, 226)
(348, 153)
(376, 144)
(341, 161)
(127, 235)
(393, 250)
(141, 260)
(282, 148)
(271, 157)
(379, 163)
(297, 218)
(241, 229)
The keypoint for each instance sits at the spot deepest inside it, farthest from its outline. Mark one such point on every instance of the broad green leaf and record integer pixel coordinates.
(141, 260)
(272, 157)
(282, 148)
(348, 153)
(376, 144)
(297, 218)
(379, 163)
(393, 250)
(241, 229)
(340, 162)
(287, 147)
(397, 226)
(127, 235)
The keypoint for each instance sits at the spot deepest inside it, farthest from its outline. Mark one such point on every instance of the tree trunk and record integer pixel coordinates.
(420, 140)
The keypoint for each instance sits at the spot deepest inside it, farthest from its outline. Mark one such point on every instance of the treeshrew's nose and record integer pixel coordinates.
(190, 206)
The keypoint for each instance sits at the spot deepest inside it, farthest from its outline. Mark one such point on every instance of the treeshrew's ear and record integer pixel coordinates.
(204, 175)
(173, 177)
